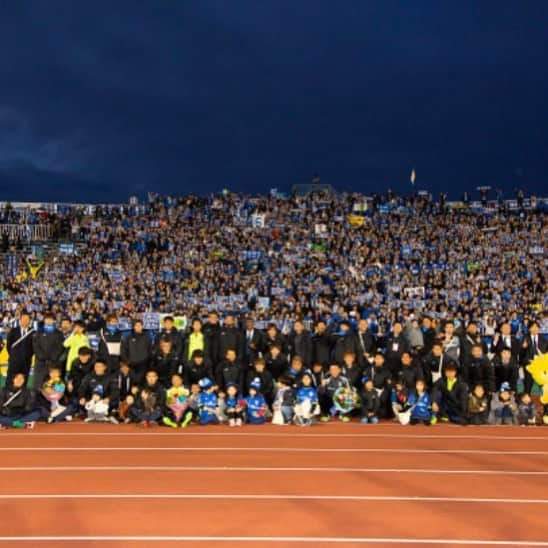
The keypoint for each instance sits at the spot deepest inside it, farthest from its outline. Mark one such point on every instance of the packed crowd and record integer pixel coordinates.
(224, 372)
(381, 308)
(283, 259)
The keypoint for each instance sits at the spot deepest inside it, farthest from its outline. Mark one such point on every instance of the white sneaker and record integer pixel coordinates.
(30, 425)
(113, 420)
(68, 418)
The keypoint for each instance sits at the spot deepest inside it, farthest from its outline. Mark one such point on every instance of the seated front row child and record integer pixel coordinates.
(284, 402)
(17, 406)
(54, 404)
(419, 400)
(234, 405)
(177, 412)
(527, 411)
(503, 407)
(478, 406)
(370, 402)
(306, 406)
(255, 404)
(208, 402)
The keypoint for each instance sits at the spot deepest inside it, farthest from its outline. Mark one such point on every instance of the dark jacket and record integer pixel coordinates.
(176, 342)
(506, 372)
(480, 371)
(301, 345)
(366, 345)
(137, 350)
(165, 365)
(512, 344)
(354, 375)
(409, 375)
(105, 384)
(382, 378)
(193, 374)
(21, 404)
(433, 364)
(20, 349)
(229, 372)
(48, 347)
(106, 338)
(124, 384)
(78, 371)
(453, 402)
(267, 382)
(395, 347)
(321, 349)
(276, 366)
(370, 402)
(231, 338)
(343, 344)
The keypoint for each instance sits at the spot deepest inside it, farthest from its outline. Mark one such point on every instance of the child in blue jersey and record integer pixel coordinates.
(234, 405)
(420, 402)
(255, 403)
(207, 402)
(306, 406)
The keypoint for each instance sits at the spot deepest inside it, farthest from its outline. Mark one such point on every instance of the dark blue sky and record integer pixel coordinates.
(100, 100)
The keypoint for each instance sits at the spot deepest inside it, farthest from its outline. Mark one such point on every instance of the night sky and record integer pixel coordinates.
(102, 100)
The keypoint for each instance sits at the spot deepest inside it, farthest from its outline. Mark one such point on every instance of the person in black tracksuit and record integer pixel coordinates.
(137, 350)
(300, 343)
(212, 331)
(48, 350)
(329, 386)
(321, 345)
(98, 382)
(81, 366)
(196, 370)
(125, 380)
(276, 361)
(20, 348)
(396, 345)
(352, 370)
(410, 372)
(229, 371)
(165, 361)
(506, 370)
(17, 403)
(110, 342)
(170, 332)
(382, 382)
(260, 372)
(479, 370)
(450, 396)
(230, 338)
(370, 402)
(345, 343)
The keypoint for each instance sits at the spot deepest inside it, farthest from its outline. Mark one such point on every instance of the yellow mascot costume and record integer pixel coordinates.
(539, 371)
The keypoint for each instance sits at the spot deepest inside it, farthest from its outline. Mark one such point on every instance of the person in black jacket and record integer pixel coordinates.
(366, 343)
(382, 382)
(125, 380)
(81, 366)
(137, 350)
(99, 382)
(170, 332)
(321, 345)
(17, 404)
(370, 402)
(48, 350)
(479, 370)
(165, 361)
(410, 372)
(110, 343)
(450, 396)
(505, 339)
(149, 400)
(294, 371)
(260, 372)
(396, 345)
(433, 362)
(229, 371)
(532, 344)
(276, 362)
(212, 332)
(506, 370)
(428, 334)
(300, 343)
(196, 370)
(352, 370)
(344, 342)
(230, 338)
(20, 348)
(254, 342)
(469, 340)
(275, 336)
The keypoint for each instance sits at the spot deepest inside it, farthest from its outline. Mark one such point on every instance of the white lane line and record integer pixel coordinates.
(287, 434)
(186, 496)
(325, 540)
(278, 450)
(317, 469)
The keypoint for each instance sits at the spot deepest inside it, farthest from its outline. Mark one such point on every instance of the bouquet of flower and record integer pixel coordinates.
(53, 390)
(345, 399)
(177, 400)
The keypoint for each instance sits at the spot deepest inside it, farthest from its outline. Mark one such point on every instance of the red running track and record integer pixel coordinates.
(335, 484)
